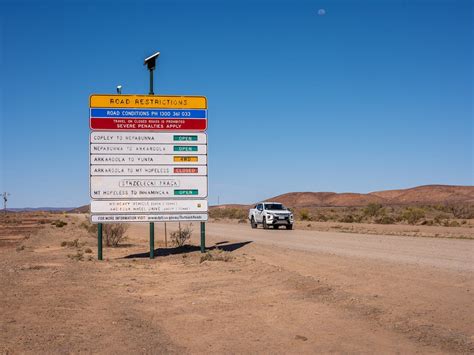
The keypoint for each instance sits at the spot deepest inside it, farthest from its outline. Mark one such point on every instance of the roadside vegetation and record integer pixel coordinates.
(447, 215)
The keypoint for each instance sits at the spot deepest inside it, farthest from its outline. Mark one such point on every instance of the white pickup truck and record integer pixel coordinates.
(271, 214)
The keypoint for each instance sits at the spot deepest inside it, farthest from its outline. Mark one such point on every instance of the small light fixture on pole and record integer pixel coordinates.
(150, 62)
(119, 89)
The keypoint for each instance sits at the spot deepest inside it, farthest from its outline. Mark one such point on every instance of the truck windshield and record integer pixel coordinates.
(274, 206)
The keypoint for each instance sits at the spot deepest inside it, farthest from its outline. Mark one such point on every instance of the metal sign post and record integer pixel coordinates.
(151, 63)
(203, 237)
(99, 241)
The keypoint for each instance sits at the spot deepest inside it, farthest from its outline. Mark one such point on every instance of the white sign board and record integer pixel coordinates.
(148, 176)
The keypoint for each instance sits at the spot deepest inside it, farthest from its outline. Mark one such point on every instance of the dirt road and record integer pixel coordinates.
(456, 254)
(259, 292)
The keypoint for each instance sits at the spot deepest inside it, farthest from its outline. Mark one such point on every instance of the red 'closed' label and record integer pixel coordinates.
(185, 170)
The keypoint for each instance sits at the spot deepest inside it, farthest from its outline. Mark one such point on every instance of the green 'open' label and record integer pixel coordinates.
(185, 192)
(185, 148)
(183, 138)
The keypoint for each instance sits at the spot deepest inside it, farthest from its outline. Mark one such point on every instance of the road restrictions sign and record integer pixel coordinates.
(148, 176)
(148, 113)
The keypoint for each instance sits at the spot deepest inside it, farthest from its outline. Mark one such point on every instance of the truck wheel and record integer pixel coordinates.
(265, 225)
(252, 223)
(289, 226)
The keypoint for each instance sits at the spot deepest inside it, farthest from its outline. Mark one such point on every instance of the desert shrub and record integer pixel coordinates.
(58, 223)
(373, 209)
(461, 211)
(413, 214)
(348, 218)
(79, 256)
(114, 234)
(72, 244)
(321, 217)
(89, 227)
(385, 220)
(216, 255)
(358, 218)
(181, 236)
(243, 220)
(87, 250)
(451, 223)
(438, 219)
(305, 216)
(427, 222)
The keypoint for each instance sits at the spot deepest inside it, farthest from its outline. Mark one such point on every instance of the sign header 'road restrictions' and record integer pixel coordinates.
(148, 176)
(147, 112)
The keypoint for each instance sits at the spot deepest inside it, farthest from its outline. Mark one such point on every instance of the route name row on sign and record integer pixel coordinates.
(124, 148)
(148, 137)
(147, 159)
(147, 170)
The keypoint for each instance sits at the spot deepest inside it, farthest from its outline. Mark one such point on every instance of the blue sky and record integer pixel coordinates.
(373, 95)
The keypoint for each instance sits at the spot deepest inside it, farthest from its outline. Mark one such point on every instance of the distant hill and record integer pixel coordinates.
(428, 194)
(44, 209)
(82, 209)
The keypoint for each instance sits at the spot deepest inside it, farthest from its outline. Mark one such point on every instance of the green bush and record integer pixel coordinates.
(181, 236)
(451, 224)
(321, 217)
(385, 220)
(305, 216)
(114, 234)
(413, 214)
(348, 218)
(373, 209)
